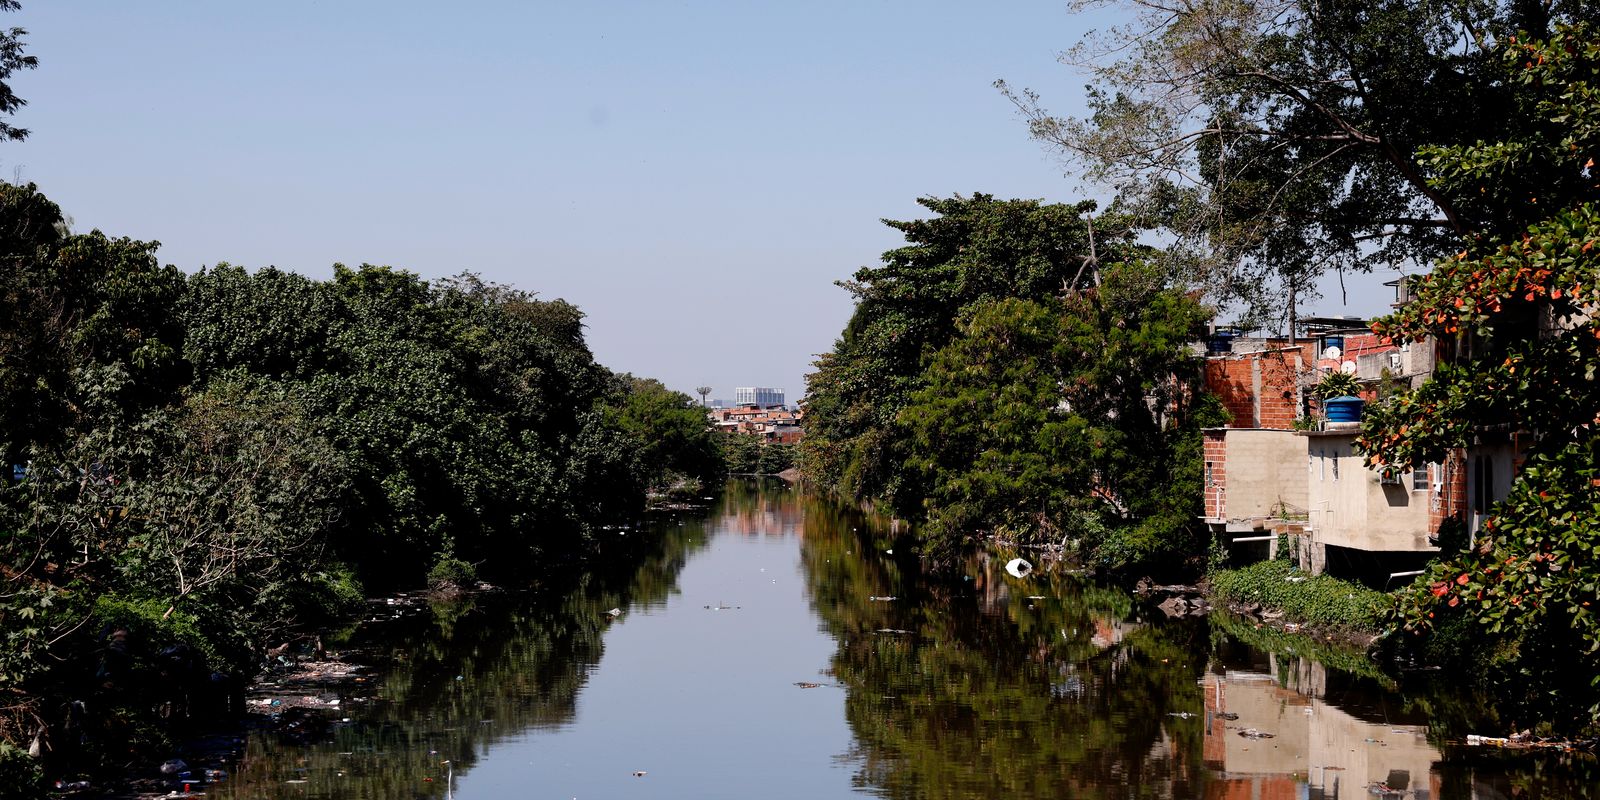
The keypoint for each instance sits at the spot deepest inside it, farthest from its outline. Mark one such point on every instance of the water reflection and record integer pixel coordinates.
(457, 679)
(988, 686)
(1316, 749)
(1001, 688)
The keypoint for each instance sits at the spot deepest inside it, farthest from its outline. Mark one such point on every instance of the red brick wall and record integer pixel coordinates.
(1280, 373)
(1216, 454)
(1234, 378)
(1230, 379)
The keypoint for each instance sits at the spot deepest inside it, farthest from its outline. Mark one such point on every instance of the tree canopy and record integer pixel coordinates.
(196, 463)
(1016, 370)
(1281, 140)
(973, 250)
(12, 59)
(1513, 311)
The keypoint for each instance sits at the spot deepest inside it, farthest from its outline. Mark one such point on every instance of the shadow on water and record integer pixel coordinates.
(985, 686)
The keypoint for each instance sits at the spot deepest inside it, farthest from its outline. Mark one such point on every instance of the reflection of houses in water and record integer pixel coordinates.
(772, 517)
(1318, 751)
(1109, 631)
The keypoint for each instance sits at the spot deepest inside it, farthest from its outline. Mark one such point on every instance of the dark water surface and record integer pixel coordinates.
(771, 648)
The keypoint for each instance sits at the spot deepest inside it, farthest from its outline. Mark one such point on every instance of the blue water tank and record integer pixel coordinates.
(1344, 409)
(1219, 343)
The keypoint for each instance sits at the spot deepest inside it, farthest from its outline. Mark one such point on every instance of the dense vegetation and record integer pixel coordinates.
(751, 455)
(1516, 605)
(1318, 600)
(204, 461)
(1274, 141)
(1017, 370)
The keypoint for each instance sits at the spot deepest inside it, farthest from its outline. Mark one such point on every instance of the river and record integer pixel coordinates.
(772, 648)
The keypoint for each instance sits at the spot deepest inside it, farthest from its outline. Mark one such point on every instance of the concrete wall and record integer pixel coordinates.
(1351, 508)
(1265, 471)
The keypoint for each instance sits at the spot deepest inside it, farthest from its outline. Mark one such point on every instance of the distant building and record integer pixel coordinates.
(774, 424)
(757, 396)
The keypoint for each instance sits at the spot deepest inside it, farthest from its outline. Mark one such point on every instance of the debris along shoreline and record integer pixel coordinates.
(303, 692)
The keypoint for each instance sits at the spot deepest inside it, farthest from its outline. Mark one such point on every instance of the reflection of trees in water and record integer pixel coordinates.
(992, 694)
(464, 675)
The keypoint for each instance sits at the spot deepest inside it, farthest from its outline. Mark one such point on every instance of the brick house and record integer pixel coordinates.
(1278, 469)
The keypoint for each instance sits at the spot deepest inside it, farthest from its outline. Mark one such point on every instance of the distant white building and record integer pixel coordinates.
(757, 395)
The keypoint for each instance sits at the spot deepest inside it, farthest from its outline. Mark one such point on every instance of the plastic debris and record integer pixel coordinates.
(1182, 714)
(892, 630)
(173, 767)
(881, 599)
(614, 613)
(639, 773)
(807, 684)
(1019, 567)
(1252, 733)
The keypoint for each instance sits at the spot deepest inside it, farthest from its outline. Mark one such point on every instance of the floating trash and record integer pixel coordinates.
(807, 684)
(1252, 733)
(1019, 567)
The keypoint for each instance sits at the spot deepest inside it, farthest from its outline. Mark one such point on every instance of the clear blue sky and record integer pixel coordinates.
(694, 175)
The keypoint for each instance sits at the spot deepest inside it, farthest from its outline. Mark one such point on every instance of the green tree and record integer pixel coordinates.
(974, 250)
(1281, 140)
(671, 434)
(1067, 419)
(1514, 313)
(85, 325)
(12, 59)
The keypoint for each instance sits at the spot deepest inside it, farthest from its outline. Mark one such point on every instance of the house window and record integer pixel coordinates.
(1336, 466)
(1419, 478)
(1210, 478)
(1322, 465)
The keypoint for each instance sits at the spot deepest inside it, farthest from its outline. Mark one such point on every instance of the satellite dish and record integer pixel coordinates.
(1331, 352)
(1348, 367)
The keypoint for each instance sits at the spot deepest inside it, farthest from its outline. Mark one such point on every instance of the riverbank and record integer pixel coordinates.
(1317, 605)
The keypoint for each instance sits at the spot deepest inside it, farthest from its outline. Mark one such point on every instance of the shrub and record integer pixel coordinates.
(452, 571)
(20, 776)
(1314, 600)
